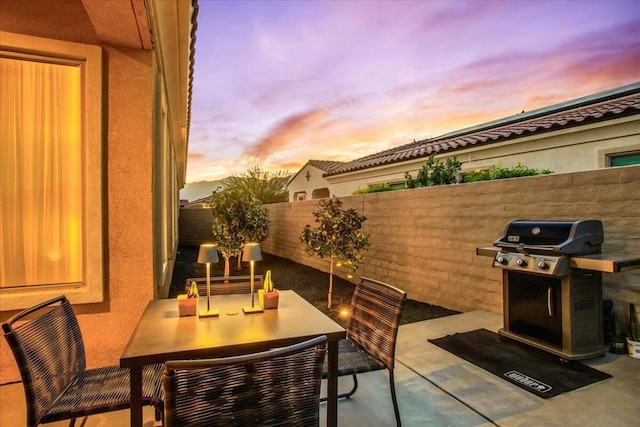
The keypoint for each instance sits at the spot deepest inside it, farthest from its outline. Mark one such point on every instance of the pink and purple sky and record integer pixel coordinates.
(278, 83)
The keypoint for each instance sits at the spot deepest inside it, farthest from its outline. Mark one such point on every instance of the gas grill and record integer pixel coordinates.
(544, 247)
(552, 285)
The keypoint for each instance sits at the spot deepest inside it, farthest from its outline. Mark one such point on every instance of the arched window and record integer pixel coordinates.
(320, 193)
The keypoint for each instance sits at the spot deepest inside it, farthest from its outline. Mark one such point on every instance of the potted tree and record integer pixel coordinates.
(238, 218)
(266, 186)
(338, 237)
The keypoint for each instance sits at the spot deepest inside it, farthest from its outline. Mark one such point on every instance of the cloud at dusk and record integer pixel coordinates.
(280, 83)
(286, 132)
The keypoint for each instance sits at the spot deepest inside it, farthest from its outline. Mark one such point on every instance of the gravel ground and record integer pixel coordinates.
(308, 282)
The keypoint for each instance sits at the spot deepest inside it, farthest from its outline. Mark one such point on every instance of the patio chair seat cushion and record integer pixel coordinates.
(353, 360)
(103, 390)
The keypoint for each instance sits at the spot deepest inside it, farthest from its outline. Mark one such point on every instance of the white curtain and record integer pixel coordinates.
(41, 202)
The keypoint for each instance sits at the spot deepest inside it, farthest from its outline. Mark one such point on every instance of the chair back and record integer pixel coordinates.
(374, 317)
(47, 345)
(221, 285)
(277, 387)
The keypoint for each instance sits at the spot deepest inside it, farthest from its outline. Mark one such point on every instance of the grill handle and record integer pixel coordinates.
(550, 302)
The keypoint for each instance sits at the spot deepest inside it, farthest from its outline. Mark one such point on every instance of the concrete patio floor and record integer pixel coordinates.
(436, 388)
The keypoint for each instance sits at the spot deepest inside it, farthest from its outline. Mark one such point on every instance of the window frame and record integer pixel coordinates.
(92, 287)
(611, 156)
(297, 194)
(605, 154)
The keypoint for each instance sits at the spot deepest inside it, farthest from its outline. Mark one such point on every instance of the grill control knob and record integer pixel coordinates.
(502, 260)
(521, 262)
(543, 265)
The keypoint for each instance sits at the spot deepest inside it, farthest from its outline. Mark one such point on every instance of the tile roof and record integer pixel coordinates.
(201, 201)
(595, 108)
(192, 61)
(325, 165)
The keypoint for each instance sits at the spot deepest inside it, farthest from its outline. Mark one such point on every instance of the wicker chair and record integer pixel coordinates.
(372, 329)
(221, 285)
(49, 351)
(279, 387)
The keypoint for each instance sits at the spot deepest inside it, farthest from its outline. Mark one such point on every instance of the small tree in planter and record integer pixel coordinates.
(238, 218)
(338, 237)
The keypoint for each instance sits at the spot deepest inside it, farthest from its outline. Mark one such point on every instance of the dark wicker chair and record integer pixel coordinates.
(372, 329)
(47, 345)
(221, 285)
(279, 387)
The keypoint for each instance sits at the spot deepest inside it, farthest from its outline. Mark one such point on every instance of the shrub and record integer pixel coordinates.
(499, 172)
(435, 172)
(378, 188)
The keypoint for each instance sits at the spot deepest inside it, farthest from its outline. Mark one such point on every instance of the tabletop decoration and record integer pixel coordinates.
(208, 254)
(188, 304)
(268, 296)
(252, 253)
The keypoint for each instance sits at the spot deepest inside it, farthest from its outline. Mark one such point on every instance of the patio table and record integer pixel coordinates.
(162, 335)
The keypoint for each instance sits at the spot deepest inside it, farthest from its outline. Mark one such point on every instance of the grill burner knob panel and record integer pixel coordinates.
(532, 263)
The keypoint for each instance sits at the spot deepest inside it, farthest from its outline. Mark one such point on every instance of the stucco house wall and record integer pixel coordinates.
(424, 240)
(574, 149)
(129, 185)
(309, 182)
(309, 179)
(576, 135)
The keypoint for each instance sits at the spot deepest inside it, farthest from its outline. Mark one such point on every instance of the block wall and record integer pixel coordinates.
(194, 226)
(424, 240)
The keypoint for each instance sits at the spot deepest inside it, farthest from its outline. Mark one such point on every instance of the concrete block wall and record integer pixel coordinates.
(194, 226)
(424, 240)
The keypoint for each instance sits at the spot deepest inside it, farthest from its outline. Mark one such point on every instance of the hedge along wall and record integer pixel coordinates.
(424, 240)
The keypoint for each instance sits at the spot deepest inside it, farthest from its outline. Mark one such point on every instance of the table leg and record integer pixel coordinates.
(332, 384)
(136, 396)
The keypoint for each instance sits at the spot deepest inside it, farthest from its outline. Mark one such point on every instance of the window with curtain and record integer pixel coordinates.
(41, 172)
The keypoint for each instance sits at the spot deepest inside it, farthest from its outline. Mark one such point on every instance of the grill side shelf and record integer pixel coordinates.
(604, 262)
(489, 251)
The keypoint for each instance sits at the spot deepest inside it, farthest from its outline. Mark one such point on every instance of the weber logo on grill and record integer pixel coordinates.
(527, 381)
(513, 238)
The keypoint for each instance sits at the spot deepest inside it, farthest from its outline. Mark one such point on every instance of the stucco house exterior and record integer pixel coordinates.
(309, 182)
(587, 133)
(128, 66)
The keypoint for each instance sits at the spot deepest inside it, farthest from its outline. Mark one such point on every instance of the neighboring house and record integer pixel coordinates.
(91, 170)
(309, 183)
(592, 132)
(202, 202)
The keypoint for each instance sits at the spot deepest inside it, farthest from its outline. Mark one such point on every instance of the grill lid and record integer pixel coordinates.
(559, 237)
